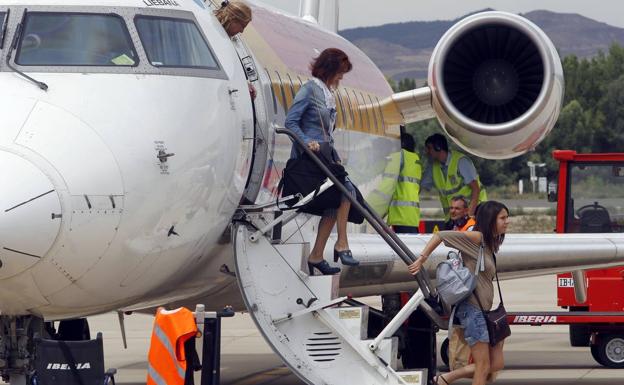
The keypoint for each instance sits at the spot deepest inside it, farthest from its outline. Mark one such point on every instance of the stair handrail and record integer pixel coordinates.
(373, 218)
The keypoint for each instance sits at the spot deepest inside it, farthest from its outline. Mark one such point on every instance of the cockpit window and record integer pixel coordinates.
(171, 42)
(75, 39)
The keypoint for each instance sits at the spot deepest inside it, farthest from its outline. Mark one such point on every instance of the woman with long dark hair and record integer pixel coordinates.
(312, 117)
(489, 232)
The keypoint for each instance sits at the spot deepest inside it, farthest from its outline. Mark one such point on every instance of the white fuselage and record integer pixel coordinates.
(92, 220)
(102, 235)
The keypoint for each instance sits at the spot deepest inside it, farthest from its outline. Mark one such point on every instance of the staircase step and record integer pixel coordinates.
(304, 320)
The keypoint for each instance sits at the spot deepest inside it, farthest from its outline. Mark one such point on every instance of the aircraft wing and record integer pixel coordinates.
(521, 255)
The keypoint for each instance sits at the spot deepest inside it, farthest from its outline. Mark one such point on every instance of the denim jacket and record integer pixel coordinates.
(304, 118)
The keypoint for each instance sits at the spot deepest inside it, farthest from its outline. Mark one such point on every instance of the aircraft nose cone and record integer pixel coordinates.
(28, 224)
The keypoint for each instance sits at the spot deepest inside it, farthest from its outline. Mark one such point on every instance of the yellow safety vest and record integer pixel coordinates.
(379, 199)
(405, 207)
(453, 184)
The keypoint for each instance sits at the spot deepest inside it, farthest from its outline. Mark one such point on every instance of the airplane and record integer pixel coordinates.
(128, 161)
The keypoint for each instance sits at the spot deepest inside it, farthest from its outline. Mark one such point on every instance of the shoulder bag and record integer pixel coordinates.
(496, 320)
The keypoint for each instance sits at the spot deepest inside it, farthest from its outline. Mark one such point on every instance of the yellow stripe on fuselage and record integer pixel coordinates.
(285, 46)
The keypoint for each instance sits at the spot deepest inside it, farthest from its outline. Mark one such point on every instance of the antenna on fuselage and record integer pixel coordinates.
(325, 14)
(309, 10)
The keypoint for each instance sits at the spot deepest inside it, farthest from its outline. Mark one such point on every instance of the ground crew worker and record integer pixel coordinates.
(451, 173)
(458, 211)
(404, 210)
(167, 360)
(379, 199)
(458, 349)
(404, 217)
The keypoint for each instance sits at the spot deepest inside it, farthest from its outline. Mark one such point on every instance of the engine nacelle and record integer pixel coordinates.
(497, 84)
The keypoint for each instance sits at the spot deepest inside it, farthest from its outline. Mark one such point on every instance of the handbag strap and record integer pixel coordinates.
(482, 259)
(500, 293)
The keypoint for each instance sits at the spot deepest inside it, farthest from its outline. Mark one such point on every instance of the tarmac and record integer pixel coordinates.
(534, 355)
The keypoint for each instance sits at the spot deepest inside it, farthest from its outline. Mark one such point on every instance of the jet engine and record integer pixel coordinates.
(496, 84)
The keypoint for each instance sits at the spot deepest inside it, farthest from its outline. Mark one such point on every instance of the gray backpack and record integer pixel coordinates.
(454, 281)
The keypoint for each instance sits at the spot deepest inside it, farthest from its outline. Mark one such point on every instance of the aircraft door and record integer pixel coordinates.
(253, 158)
(241, 105)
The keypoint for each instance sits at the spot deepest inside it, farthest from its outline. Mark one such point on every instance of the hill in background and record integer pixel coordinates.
(402, 50)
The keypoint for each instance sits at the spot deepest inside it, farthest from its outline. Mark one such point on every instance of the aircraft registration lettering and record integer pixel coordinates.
(156, 3)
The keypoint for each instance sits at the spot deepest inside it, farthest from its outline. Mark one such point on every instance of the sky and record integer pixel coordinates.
(358, 13)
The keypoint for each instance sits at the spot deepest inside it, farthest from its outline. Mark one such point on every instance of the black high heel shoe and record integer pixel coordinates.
(323, 267)
(346, 257)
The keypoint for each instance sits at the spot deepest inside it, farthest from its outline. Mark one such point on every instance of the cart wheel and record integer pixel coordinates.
(610, 349)
(594, 352)
(444, 352)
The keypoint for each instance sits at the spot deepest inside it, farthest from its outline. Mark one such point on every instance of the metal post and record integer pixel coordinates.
(200, 316)
(211, 350)
(396, 322)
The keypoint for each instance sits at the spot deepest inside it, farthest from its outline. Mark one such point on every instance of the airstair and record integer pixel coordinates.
(321, 336)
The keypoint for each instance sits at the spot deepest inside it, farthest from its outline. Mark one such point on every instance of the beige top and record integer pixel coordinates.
(470, 254)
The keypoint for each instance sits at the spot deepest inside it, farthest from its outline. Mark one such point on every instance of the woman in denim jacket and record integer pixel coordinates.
(312, 117)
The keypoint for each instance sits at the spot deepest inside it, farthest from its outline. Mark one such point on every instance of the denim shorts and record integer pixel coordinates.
(473, 322)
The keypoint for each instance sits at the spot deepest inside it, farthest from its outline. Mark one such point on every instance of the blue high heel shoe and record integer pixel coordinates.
(346, 257)
(324, 267)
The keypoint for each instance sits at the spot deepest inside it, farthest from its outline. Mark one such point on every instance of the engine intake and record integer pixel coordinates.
(497, 84)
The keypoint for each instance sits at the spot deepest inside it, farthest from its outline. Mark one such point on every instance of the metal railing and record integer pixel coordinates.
(397, 245)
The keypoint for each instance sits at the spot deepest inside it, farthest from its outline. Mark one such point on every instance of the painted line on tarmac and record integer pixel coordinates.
(265, 377)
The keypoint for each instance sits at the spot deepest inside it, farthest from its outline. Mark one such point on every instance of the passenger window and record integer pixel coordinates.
(171, 42)
(75, 39)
